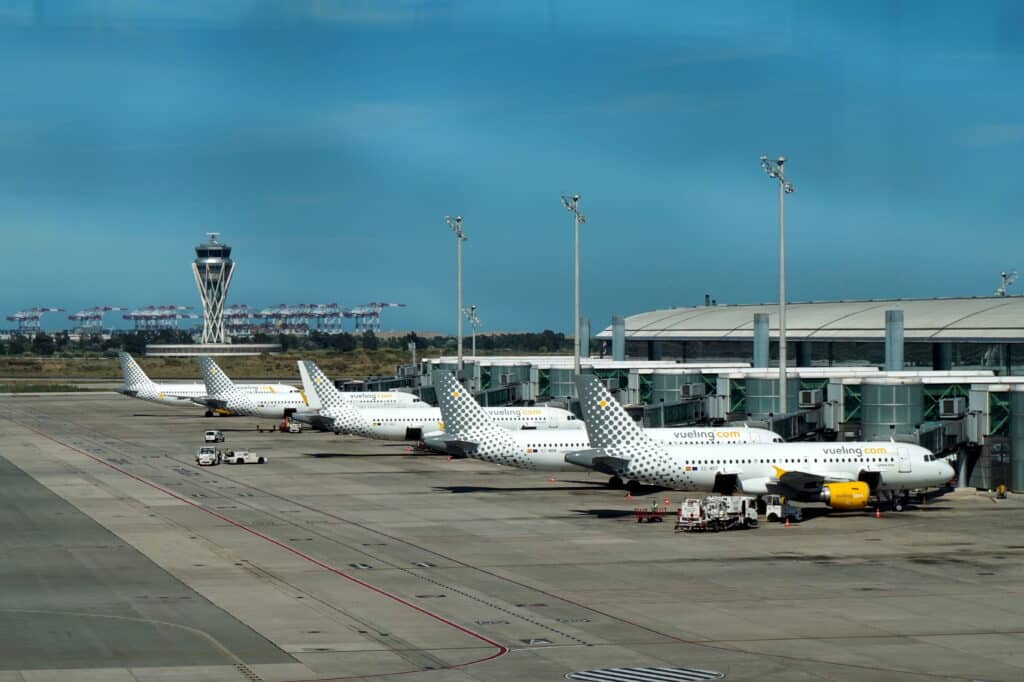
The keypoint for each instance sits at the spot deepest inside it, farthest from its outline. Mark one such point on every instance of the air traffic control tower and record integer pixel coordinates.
(213, 268)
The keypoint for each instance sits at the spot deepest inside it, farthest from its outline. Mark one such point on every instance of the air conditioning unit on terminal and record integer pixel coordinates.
(810, 397)
(952, 408)
(694, 390)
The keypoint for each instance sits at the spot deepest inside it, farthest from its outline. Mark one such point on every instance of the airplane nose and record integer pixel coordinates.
(947, 471)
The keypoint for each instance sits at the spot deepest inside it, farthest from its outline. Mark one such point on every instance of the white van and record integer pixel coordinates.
(213, 436)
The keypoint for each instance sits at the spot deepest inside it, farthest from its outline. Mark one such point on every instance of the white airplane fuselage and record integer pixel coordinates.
(183, 394)
(897, 466)
(402, 423)
(546, 451)
(267, 405)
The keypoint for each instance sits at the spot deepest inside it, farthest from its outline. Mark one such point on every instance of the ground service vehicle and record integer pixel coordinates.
(208, 455)
(243, 457)
(214, 436)
(777, 508)
(717, 512)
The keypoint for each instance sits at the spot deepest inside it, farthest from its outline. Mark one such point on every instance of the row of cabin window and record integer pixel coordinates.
(500, 419)
(792, 461)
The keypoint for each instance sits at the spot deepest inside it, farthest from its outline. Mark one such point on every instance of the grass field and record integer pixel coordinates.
(28, 387)
(356, 364)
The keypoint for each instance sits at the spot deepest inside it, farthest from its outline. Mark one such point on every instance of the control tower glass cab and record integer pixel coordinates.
(213, 268)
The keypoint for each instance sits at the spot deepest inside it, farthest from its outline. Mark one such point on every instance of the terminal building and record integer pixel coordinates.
(945, 373)
(939, 333)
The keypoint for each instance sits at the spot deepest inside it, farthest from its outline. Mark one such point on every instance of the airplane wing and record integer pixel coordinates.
(598, 460)
(461, 448)
(183, 398)
(802, 481)
(318, 421)
(213, 403)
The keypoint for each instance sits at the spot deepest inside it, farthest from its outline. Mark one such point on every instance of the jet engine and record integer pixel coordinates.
(845, 496)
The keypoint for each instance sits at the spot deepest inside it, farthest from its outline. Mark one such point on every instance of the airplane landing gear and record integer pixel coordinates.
(615, 483)
(898, 500)
(209, 413)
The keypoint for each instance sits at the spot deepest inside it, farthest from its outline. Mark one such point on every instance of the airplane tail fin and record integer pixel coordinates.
(609, 426)
(133, 374)
(460, 411)
(217, 382)
(320, 386)
(311, 396)
(346, 418)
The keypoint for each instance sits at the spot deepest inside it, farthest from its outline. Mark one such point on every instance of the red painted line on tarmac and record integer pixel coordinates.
(501, 649)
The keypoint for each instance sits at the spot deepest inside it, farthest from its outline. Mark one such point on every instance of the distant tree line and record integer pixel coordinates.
(60, 343)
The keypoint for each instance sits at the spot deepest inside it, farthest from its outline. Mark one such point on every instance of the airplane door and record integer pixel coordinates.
(904, 460)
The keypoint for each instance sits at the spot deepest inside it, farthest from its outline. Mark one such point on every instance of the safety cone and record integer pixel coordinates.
(551, 480)
(666, 501)
(629, 495)
(787, 522)
(449, 458)
(878, 512)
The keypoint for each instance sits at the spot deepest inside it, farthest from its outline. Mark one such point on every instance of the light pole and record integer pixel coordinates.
(473, 322)
(456, 225)
(774, 170)
(572, 204)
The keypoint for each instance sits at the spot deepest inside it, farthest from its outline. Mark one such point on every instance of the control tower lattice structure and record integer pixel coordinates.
(213, 268)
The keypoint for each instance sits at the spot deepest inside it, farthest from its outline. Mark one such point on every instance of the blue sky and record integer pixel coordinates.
(327, 140)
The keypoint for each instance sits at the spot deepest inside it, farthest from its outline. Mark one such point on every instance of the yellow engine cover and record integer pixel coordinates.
(852, 495)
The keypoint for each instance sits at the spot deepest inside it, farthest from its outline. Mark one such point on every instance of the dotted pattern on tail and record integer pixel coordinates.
(346, 417)
(612, 429)
(133, 374)
(217, 382)
(466, 420)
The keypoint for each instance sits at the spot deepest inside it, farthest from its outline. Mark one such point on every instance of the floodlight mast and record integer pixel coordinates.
(572, 204)
(1005, 280)
(456, 224)
(473, 320)
(774, 169)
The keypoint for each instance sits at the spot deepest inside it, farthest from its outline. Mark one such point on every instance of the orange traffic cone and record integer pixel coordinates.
(666, 501)
(787, 522)
(878, 513)
(551, 480)
(629, 495)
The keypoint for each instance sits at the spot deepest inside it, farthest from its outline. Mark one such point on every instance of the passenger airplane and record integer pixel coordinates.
(471, 432)
(842, 475)
(415, 423)
(223, 394)
(313, 417)
(138, 385)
